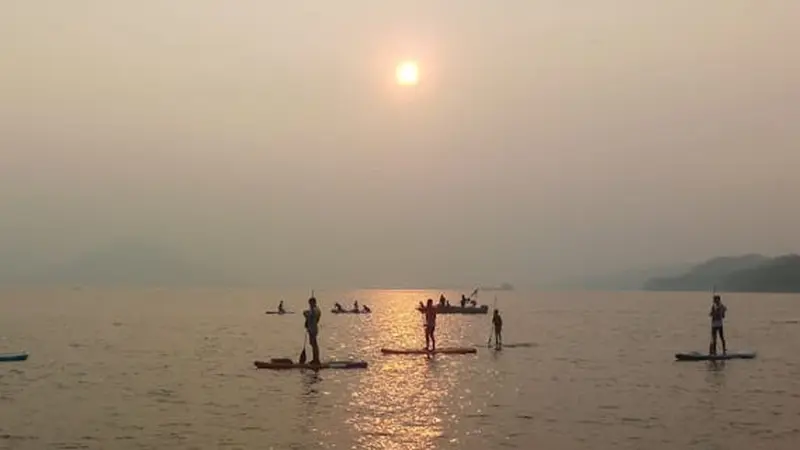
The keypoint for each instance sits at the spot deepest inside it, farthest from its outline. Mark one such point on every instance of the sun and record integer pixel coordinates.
(407, 73)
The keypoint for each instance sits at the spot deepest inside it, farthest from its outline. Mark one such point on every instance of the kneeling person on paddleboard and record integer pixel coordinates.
(312, 327)
(430, 326)
(717, 315)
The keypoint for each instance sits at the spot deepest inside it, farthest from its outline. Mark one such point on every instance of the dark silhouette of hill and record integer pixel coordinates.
(129, 263)
(781, 274)
(629, 280)
(746, 273)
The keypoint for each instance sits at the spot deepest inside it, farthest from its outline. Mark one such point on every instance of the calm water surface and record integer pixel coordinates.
(172, 369)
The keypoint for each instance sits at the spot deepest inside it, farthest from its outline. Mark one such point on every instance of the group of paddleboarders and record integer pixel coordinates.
(338, 307)
(313, 314)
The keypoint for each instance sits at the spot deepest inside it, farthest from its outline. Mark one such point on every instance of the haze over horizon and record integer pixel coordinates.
(545, 140)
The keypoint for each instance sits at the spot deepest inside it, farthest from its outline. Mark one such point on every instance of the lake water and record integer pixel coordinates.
(172, 369)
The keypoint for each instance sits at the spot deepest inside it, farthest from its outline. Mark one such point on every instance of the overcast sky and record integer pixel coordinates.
(546, 139)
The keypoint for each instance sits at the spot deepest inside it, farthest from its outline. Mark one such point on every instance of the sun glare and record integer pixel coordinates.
(407, 73)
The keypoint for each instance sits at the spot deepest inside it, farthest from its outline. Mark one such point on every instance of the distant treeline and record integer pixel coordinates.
(746, 273)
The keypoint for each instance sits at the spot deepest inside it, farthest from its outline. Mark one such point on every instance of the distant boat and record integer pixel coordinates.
(502, 287)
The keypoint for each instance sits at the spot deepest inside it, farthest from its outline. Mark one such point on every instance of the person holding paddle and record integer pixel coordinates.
(497, 321)
(312, 316)
(717, 315)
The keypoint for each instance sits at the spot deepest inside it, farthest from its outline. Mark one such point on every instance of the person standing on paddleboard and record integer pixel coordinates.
(497, 321)
(430, 326)
(313, 315)
(717, 315)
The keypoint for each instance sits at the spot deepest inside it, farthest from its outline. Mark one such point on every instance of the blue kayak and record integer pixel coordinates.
(19, 356)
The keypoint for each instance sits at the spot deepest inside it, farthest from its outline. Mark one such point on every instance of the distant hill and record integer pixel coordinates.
(746, 273)
(129, 263)
(629, 280)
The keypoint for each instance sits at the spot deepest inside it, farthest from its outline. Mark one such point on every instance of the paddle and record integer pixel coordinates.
(491, 327)
(711, 346)
(302, 358)
(473, 294)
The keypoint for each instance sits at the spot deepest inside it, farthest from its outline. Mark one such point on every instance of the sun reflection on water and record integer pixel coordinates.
(411, 413)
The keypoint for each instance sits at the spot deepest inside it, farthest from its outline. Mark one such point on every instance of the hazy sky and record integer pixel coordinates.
(546, 138)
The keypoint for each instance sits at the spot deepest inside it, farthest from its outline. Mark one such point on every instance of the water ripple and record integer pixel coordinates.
(173, 369)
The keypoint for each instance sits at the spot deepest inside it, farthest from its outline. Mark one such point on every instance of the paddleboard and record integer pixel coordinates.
(422, 351)
(515, 345)
(697, 356)
(483, 309)
(8, 357)
(279, 313)
(325, 365)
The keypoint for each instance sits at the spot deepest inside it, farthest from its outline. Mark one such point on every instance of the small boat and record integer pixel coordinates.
(283, 364)
(456, 309)
(8, 357)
